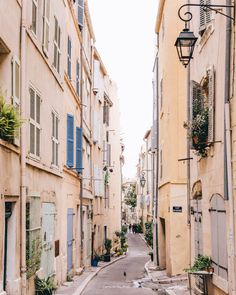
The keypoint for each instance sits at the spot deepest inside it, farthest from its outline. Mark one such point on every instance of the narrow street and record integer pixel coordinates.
(111, 280)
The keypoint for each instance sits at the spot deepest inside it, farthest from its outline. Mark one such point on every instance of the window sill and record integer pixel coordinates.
(220, 283)
(206, 35)
(10, 146)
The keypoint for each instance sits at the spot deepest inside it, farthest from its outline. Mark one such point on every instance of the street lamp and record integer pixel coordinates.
(186, 41)
(185, 46)
(142, 181)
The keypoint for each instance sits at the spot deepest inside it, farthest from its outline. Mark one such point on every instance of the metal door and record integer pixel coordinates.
(48, 216)
(69, 239)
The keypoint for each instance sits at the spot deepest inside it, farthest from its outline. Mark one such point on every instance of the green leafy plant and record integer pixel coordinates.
(108, 245)
(10, 121)
(44, 286)
(149, 233)
(201, 263)
(131, 196)
(124, 228)
(33, 256)
(106, 178)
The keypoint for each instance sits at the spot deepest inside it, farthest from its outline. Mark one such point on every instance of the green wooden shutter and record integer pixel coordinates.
(211, 104)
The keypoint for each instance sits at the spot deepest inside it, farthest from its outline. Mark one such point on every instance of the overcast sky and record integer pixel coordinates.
(125, 39)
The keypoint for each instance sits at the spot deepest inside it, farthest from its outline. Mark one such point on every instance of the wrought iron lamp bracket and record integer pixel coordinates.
(187, 16)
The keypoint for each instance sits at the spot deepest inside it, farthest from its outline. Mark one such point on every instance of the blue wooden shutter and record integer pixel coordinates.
(79, 152)
(70, 141)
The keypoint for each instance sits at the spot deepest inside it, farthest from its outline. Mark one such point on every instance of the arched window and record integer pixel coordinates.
(219, 236)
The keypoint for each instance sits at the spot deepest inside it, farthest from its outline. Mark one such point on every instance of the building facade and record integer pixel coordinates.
(53, 164)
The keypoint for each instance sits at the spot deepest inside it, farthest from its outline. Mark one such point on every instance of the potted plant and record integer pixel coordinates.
(95, 259)
(202, 263)
(108, 246)
(44, 286)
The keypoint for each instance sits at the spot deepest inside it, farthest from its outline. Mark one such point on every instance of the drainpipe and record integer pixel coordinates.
(23, 147)
(81, 173)
(157, 154)
(228, 185)
(188, 163)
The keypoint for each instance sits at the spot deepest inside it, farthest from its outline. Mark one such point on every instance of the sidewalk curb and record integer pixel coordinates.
(143, 238)
(81, 288)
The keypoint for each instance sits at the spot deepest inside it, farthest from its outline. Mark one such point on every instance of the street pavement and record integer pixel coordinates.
(126, 276)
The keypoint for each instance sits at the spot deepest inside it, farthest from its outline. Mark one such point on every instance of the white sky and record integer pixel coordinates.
(125, 39)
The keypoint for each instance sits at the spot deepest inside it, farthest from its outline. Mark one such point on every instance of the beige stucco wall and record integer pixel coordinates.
(172, 143)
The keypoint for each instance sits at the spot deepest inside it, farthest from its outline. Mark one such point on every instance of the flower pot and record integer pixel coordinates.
(94, 262)
(107, 257)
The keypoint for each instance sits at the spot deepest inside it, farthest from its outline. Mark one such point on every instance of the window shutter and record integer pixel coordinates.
(211, 104)
(16, 91)
(69, 57)
(196, 91)
(81, 13)
(202, 21)
(77, 77)
(104, 151)
(46, 26)
(208, 12)
(96, 76)
(70, 141)
(109, 154)
(79, 151)
(95, 127)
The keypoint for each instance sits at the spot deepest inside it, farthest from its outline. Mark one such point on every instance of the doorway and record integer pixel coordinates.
(162, 242)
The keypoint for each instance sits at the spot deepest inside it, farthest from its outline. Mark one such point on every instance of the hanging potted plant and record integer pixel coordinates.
(10, 121)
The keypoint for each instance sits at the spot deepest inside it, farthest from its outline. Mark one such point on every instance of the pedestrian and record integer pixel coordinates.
(133, 229)
(130, 228)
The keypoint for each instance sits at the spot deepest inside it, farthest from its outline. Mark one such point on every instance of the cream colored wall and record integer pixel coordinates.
(172, 141)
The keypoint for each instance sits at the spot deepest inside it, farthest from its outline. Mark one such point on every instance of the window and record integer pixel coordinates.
(15, 92)
(77, 77)
(106, 113)
(219, 254)
(35, 102)
(55, 140)
(205, 16)
(70, 141)
(81, 13)
(79, 151)
(33, 235)
(202, 111)
(46, 26)
(34, 16)
(57, 45)
(69, 57)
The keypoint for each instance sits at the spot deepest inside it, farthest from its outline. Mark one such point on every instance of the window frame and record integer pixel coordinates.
(55, 139)
(46, 23)
(57, 45)
(34, 3)
(69, 57)
(33, 121)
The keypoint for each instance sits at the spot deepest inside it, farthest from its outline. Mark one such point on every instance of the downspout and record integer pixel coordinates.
(23, 147)
(157, 153)
(228, 185)
(188, 165)
(81, 172)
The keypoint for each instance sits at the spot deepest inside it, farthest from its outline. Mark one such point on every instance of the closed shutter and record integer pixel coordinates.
(96, 180)
(101, 182)
(104, 151)
(96, 76)
(211, 104)
(16, 92)
(108, 154)
(79, 151)
(81, 13)
(70, 141)
(219, 236)
(208, 12)
(95, 127)
(46, 26)
(202, 20)
(69, 57)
